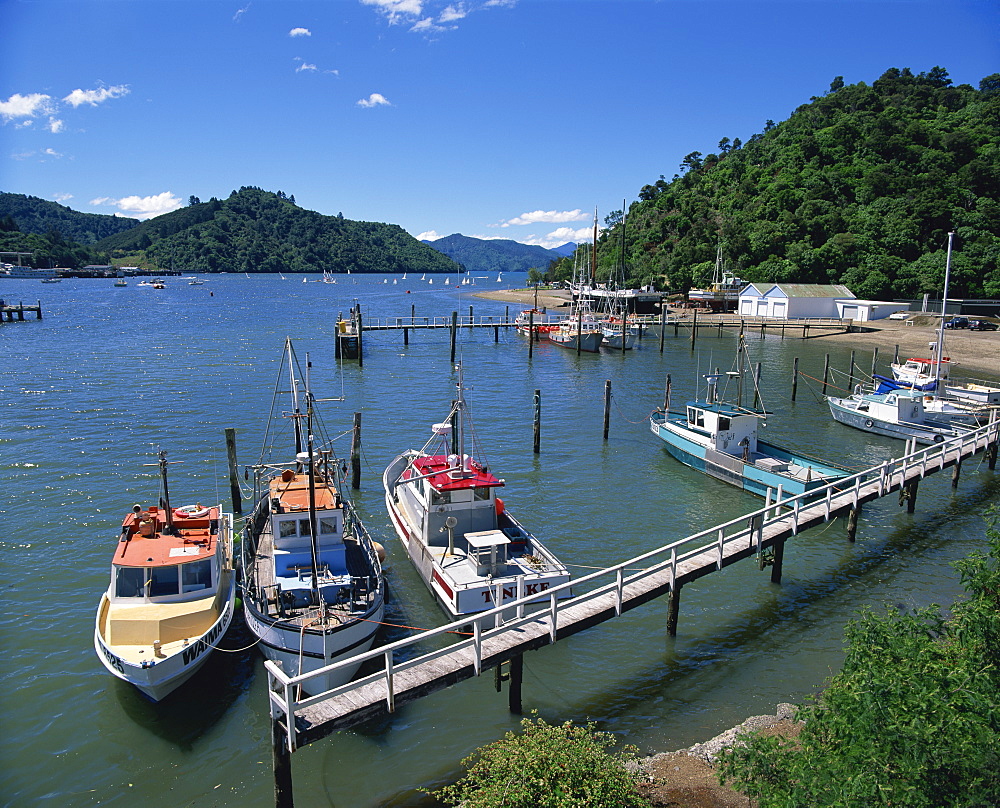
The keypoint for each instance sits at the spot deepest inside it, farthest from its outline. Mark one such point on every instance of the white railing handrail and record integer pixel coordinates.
(491, 621)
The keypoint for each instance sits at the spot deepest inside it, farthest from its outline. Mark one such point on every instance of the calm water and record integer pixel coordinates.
(110, 375)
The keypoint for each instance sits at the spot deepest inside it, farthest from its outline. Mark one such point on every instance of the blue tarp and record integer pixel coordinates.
(887, 385)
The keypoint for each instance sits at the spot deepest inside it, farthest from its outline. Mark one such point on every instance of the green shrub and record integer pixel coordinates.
(546, 766)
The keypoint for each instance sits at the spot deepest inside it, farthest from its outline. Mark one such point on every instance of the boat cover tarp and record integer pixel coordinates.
(887, 385)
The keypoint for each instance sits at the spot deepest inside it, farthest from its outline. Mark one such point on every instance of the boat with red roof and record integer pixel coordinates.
(172, 593)
(467, 547)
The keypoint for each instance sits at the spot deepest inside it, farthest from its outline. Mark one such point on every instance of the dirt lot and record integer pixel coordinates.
(975, 354)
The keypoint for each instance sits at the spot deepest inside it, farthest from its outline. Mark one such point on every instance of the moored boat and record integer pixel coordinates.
(581, 334)
(171, 597)
(898, 414)
(313, 589)
(348, 340)
(469, 550)
(721, 440)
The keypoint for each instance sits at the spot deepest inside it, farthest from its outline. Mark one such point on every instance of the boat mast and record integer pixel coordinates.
(944, 307)
(166, 494)
(313, 528)
(593, 253)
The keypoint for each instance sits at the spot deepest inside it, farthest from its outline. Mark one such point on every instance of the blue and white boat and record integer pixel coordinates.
(896, 414)
(721, 440)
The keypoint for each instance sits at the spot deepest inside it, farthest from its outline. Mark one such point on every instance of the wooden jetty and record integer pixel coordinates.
(489, 639)
(17, 312)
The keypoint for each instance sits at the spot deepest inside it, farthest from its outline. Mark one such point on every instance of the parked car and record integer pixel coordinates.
(957, 322)
(982, 325)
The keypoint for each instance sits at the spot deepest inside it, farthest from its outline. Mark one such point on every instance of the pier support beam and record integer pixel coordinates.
(795, 373)
(779, 555)
(281, 760)
(673, 609)
(991, 456)
(607, 407)
(234, 480)
(852, 522)
(956, 471)
(514, 693)
(908, 494)
(356, 453)
(360, 330)
(694, 327)
(537, 422)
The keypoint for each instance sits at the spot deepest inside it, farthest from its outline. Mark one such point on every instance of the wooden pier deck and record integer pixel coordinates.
(491, 638)
(10, 312)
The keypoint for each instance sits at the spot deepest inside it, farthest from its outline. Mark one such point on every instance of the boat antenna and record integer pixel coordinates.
(944, 307)
(166, 494)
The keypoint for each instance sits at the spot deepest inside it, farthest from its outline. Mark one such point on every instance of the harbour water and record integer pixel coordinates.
(110, 375)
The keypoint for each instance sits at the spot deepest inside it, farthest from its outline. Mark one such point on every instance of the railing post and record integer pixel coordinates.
(552, 617)
(477, 640)
(390, 696)
(619, 589)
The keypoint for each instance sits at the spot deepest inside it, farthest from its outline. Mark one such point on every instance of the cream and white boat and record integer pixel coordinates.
(172, 594)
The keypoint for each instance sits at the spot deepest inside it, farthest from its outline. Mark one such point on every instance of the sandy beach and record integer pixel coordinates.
(974, 354)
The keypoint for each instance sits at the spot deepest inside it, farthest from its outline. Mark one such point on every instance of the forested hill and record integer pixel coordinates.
(40, 217)
(493, 255)
(259, 231)
(859, 186)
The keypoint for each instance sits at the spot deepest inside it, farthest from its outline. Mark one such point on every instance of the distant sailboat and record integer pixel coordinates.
(499, 277)
(404, 276)
(423, 277)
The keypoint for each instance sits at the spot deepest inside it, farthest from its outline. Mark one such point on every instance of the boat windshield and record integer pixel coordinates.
(289, 528)
(154, 582)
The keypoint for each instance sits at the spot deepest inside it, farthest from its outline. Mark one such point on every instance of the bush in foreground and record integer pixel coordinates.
(547, 766)
(913, 719)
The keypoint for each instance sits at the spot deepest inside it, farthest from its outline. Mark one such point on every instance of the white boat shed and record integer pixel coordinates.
(788, 301)
(862, 310)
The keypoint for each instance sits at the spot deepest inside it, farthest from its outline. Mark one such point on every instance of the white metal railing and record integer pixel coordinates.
(612, 581)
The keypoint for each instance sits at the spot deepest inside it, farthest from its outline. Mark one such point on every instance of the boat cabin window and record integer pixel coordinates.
(163, 581)
(724, 423)
(130, 582)
(696, 417)
(440, 497)
(196, 575)
(482, 493)
(290, 528)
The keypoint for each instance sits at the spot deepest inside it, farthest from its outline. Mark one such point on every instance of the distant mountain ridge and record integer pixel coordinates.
(40, 217)
(493, 255)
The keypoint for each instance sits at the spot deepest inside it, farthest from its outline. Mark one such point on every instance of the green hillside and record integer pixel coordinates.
(259, 231)
(493, 255)
(34, 216)
(860, 186)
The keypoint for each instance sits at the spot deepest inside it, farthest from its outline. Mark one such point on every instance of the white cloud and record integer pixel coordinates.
(374, 100)
(240, 12)
(547, 216)
(26, 106)
(432, 16)
(452, 13)
(394, 9)
(51, 153)
(95, 97)
(428, 235)
(62, 197)
(142, 207)
(305, 66)
(55, 125)
(300, 32)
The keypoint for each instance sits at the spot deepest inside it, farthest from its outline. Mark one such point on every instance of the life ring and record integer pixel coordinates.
(192, 512)
(869, 423)
(939, 438)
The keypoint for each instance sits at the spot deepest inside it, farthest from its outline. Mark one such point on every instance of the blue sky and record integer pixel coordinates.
(492, 118)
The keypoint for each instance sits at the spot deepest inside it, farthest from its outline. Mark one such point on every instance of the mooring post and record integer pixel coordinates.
(537, 422)
(39, 311)
(673, 609)
(874, 363)
(234, 480)
(694, 327)
(666, 396)
(607, 406)
(795, 376)
(852, 521)
(406, 335)
(911, 495)
(895, 356)
(531, 332)
(356, 453)
(826, 372)
(496, 333)
(956, 470)
(663, 324)
(361, 346)
(454, 332)
(281, 760)
(472, 318)
(516, 675)
(756, 385)
(850, 374)
(506, 313)
(991, 456)
(779, 555)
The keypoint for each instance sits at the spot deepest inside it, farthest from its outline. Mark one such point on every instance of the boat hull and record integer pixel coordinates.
(159, 680)
(589, 341)
(924, 434)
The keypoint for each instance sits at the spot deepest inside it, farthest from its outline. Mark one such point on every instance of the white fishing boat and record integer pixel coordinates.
(172, 593)
(120, 282)
(899, 414)
(313, 590)
(582, 334)
(469, 550)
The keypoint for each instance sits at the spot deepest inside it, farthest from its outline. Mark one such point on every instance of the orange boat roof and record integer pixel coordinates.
(146, 542)
(292, 491)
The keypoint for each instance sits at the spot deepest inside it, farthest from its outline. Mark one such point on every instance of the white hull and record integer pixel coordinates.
(159, 680)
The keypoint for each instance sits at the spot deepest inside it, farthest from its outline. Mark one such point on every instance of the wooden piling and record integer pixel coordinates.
(991, 456)
(454, 334)
(826, 372)
(795, 376)
(516, 676)
(874, 362)
(357, 325)
(895, 356)
(663, 324)
(694, 327)
(779, 556)
(666, 395)
(607, 407)
(531, 332)
(852, 521)
(756, 385)
(911, 496)
(356, 453)
(850, 374)
(956, 471)
(537, 422)
(281, 760)
(579, 331)
(472, 318)
(673, 609)
(234, 480)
